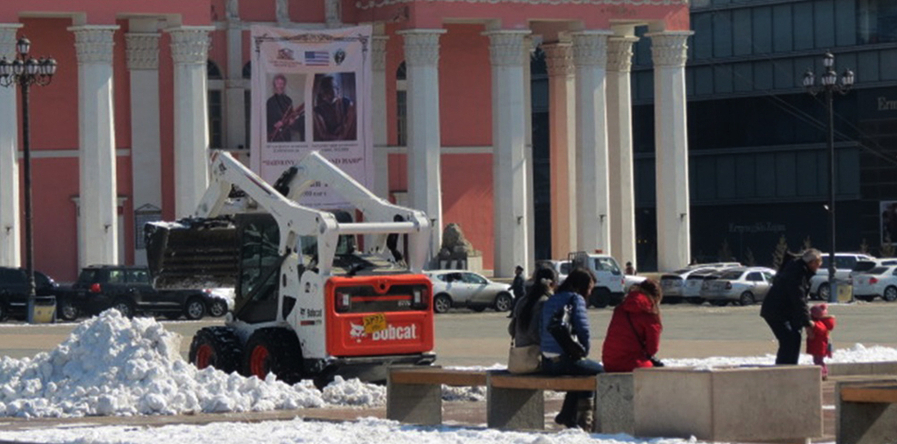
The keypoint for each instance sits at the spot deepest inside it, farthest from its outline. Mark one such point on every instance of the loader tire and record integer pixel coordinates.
(273, 350)
(218, 347)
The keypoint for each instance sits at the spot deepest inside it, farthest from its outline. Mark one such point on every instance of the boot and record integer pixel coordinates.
(567, 415)
(585, 413)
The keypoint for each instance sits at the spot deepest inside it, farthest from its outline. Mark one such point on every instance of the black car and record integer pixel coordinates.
(129, 289)
(14, 292)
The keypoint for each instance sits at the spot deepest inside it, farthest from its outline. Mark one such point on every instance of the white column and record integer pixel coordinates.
(234, 92)
(10, 226)
(593, 218)
(671, 149)
(146, 156)
(379, 121)
(510, 218)
(619, 138)
(424, 175)
(528, 50)
(562, 156)
(96, 127)
(189, 49)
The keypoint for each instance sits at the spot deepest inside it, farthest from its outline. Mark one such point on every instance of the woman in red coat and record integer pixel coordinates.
(633, 336)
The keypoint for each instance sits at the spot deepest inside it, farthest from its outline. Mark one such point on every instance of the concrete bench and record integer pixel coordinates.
(866, 412)
(518, 402)
(742, 404)
(414, 394)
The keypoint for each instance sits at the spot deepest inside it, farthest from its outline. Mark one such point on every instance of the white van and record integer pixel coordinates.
(609, 279)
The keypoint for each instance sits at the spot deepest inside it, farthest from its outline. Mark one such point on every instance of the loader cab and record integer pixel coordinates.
(258, 238)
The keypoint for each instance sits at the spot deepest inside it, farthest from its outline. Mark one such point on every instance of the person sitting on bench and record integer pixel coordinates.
(577, 408)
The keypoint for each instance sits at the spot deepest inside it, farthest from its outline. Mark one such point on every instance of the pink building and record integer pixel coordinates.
(145, 89)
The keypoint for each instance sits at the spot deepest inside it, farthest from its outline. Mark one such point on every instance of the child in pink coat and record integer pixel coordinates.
(817, 342)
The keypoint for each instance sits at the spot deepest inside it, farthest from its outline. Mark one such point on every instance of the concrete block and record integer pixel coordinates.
(414, 403)
(517, 409)
(745, 404)
(864, 422)
(862, 368)
(614, 404)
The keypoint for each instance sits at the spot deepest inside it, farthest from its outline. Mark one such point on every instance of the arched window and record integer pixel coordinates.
(401, 106)
(216, 105)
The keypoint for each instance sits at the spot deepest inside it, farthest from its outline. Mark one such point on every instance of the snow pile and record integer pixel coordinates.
(111, 365)
(353, 392)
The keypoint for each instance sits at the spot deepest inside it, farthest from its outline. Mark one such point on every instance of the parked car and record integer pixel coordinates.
(130, 290)
(221, 301)
(673, 284)
(844, 263)
(691, 290)
(609, 280)
(744, 285)
(877, 282)
(14, 293)
(864, 266)
(460, 288)
(562, 268)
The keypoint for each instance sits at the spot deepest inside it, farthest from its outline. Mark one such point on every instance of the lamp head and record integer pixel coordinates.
(847, 78)
(828, 60)
(809, 79)
(830, 77)
(18, 67)
(23, 46)
(32, 67)
(5, 67)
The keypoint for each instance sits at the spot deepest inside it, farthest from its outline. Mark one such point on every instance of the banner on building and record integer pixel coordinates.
(888, 211)
(311, 91)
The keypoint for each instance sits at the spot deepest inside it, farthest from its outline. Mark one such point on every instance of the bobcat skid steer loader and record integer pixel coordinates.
(308, 303)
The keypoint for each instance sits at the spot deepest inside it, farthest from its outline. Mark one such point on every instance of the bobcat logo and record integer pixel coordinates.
(357, 332)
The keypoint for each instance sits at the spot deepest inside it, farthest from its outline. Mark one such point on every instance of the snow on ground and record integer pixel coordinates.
(111, 365)
(318, 432)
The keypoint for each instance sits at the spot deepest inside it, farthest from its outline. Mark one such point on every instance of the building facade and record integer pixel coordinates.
(144, 90)
(758, 153)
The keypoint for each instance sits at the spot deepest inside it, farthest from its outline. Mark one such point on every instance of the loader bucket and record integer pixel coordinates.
(192, 253)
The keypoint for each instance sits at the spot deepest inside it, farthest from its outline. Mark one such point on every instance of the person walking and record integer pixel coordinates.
(818, 344)
(633, 335)
(517, 288)
(577, 407)
(785, 307)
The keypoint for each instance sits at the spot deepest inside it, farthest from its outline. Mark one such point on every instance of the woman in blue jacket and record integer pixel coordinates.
(577, 408)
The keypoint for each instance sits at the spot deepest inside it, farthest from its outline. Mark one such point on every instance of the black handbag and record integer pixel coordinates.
(561, 328)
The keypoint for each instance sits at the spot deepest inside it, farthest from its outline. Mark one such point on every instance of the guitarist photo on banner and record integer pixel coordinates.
(286, 121)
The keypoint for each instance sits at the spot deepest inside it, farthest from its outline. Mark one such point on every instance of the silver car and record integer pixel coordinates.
(460, 288)
(744, 285)
(673, 284)
(879, 281)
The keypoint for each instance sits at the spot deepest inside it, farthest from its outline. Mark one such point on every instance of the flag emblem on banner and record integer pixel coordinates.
(317, 58)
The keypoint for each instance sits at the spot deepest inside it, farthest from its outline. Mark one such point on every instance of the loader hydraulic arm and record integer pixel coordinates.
(380, 217)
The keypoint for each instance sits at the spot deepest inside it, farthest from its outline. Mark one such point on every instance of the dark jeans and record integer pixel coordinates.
(568, 367)
(789, 341)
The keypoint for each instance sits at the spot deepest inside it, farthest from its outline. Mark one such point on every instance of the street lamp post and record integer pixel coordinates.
(25, 71)
(829, 86)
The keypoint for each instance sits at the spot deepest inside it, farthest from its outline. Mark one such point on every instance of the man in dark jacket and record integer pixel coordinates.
(518, 288)
(785, 307)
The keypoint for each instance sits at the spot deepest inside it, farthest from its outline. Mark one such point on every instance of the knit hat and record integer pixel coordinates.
(818, 311)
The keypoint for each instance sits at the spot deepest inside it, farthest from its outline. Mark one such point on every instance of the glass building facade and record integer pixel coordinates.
(758, 141)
